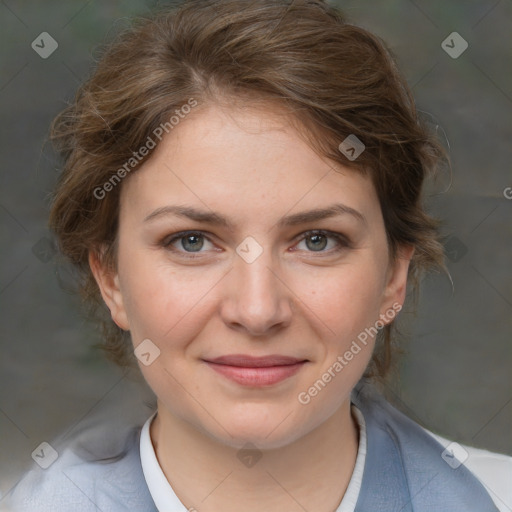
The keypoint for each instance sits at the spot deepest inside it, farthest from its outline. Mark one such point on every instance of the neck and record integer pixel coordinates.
(311, 473)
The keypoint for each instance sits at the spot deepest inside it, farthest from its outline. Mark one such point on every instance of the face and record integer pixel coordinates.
(276, 263)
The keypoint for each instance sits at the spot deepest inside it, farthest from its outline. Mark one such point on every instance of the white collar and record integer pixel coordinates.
(166, 500)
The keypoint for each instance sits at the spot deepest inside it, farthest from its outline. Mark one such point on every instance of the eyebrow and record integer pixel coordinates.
(290, 220)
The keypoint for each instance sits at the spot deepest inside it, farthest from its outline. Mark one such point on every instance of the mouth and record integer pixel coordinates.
(256, 371)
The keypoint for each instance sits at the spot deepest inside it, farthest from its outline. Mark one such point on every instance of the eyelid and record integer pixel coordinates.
(181, 234)
(343, 241)
(340, 237)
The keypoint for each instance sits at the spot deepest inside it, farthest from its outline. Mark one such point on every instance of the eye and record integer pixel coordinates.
(189, 244)
(318, 240)
(186, 242)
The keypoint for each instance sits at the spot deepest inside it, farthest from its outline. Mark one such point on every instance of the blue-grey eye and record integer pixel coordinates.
(192, 243)
(318, 242)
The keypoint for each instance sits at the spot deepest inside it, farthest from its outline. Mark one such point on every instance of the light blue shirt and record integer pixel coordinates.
(399, 466)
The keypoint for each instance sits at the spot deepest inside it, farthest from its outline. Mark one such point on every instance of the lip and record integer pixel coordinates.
(256, 371)
(255, 362)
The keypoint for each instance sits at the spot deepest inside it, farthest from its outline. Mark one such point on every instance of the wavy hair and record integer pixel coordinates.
(334, 78)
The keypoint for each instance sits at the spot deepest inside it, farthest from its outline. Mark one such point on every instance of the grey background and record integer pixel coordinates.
(456, 375)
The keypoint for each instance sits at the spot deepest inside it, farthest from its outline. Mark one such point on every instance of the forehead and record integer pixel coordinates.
(245, 161)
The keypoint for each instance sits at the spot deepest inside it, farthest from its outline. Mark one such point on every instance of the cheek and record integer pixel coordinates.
(347, 299)
(346, 302)
(159, 299)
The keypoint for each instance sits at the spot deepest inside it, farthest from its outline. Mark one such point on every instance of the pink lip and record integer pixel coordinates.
(256, 371)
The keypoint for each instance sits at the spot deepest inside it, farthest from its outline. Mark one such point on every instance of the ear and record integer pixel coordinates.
(108, 283)
(396, 280)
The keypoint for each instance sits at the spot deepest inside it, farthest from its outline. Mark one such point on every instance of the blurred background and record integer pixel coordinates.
(455, 377)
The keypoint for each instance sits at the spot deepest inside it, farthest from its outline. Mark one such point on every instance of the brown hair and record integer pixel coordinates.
(336, 80)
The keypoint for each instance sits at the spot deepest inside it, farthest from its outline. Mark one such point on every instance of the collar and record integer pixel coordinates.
(398, 467)
(404, 469)
(165, 498)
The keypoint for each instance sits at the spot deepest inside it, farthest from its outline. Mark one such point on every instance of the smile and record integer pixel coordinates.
(256, 371)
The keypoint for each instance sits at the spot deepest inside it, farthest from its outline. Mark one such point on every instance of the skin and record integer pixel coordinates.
(252, 167)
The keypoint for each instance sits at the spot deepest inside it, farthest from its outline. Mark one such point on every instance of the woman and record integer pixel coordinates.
(242, 189)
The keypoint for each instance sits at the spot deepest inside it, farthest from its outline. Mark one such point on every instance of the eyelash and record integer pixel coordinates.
(342, 241)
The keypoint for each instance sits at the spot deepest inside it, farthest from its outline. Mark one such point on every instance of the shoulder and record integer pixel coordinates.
(493, 470)
(68, 480)
(430, 473)
(83, 483)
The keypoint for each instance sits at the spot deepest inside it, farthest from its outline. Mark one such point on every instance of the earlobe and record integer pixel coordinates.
(396, 286)
(108, 283)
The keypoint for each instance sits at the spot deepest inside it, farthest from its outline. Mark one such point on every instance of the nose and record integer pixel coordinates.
(257, 301)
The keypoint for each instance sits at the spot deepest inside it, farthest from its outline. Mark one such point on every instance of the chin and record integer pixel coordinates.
(264, 429)
(258, 439)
